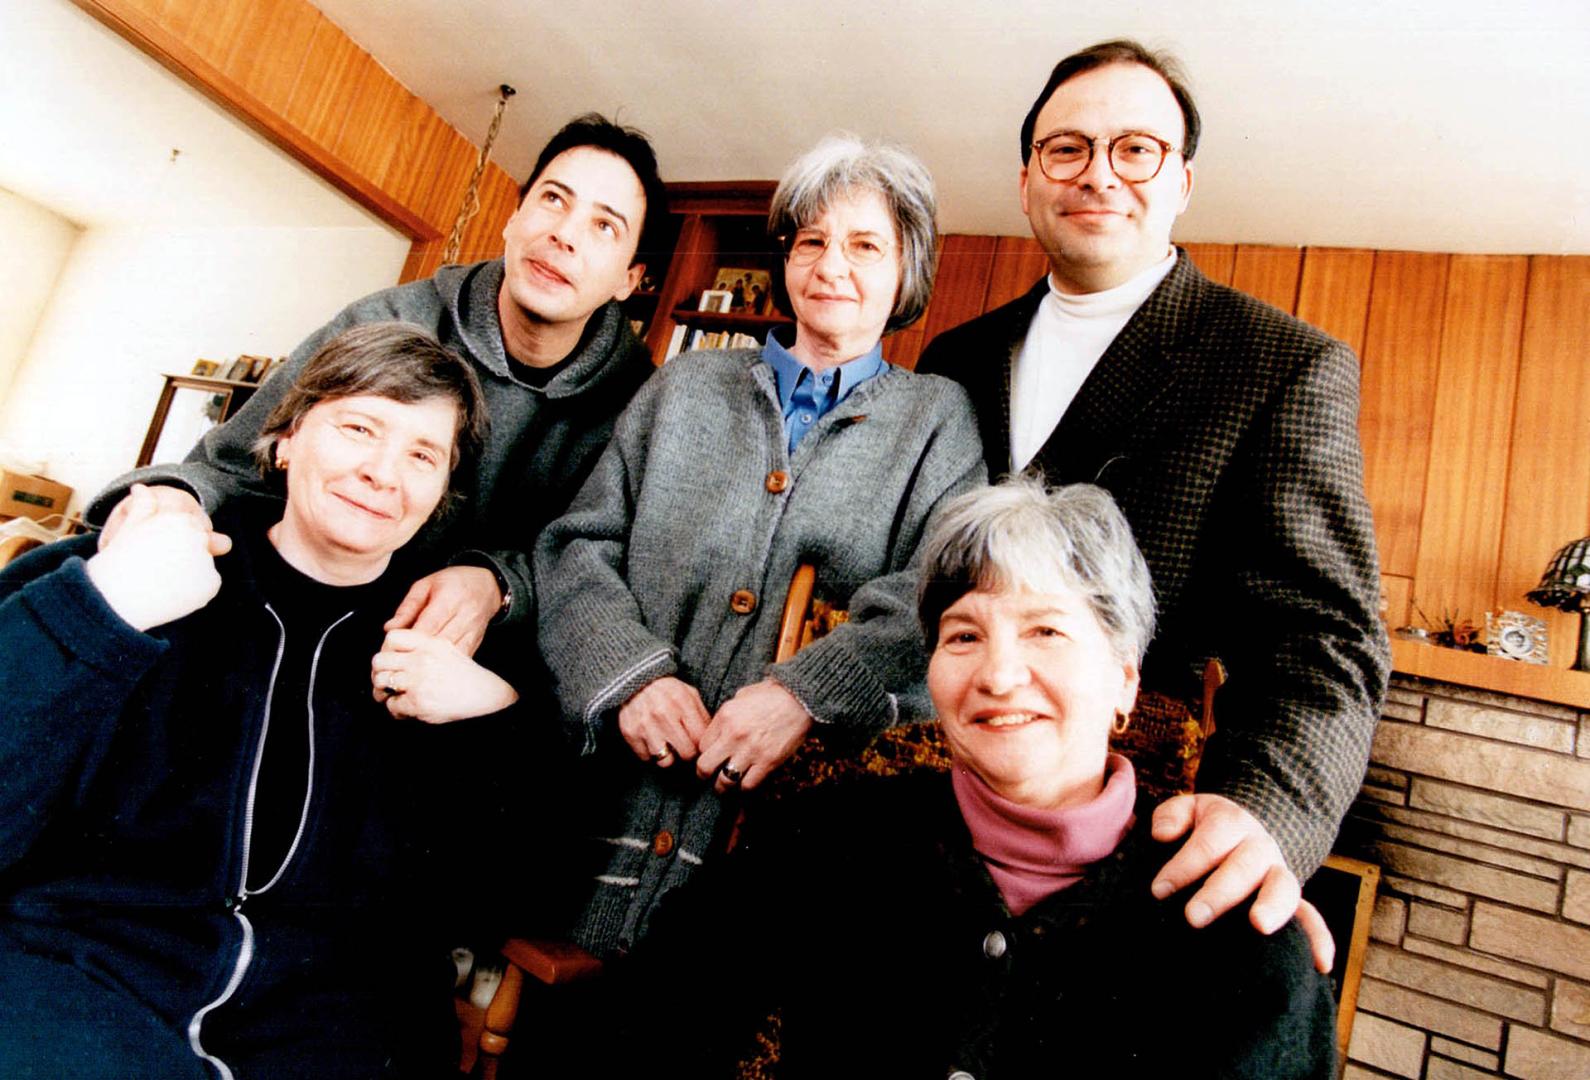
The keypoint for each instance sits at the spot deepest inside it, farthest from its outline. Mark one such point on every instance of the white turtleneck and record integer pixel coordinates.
(1065, 339)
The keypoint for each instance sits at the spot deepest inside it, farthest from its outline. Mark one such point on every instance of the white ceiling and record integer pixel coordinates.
(101, 134)
(1457, 125)
(1450, 125)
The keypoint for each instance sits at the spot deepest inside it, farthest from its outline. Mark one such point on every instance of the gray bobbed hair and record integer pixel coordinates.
(1020, 535)
(842, 163)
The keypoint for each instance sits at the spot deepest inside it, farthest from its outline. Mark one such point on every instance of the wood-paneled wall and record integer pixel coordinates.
(295, 77)
(1475, 414)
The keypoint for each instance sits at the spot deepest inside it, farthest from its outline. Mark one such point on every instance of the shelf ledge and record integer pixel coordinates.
(1561, 685)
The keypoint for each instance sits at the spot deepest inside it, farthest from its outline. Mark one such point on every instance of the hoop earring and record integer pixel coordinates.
(1122, 721)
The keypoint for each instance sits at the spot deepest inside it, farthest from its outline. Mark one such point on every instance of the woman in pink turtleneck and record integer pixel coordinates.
(998, 923)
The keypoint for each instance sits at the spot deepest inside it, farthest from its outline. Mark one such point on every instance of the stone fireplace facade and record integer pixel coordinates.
(1477, 810)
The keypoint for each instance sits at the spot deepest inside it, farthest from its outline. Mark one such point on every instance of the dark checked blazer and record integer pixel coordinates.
(1228, 432)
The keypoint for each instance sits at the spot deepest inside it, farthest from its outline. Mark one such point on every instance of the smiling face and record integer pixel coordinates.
(1098, 230)
(363, 474)
(569, 247)
(840, 309)
(1026, 685)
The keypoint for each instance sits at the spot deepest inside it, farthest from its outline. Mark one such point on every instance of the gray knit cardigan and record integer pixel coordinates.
(635, 582)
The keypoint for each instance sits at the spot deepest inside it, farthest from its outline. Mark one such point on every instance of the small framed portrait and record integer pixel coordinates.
(237, 370)
(749, 290)
(205, 368)
(1516, 636)
(257, 367)
(716, 300)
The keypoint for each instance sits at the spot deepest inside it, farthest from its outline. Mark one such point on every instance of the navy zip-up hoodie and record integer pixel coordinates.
(129, 762)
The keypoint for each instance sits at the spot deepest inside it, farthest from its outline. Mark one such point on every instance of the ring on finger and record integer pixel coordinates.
(730, 773)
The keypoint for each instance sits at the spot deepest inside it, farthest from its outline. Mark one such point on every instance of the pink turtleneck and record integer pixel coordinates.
(1033, 853)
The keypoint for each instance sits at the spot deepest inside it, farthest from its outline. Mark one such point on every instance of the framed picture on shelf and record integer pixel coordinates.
(206, 369)
(1516, 636)
(238, 370)
(749, 290)
(716, 300)
(257, 366)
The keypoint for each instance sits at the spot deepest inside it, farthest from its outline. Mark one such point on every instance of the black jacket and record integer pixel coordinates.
(866, 913)
(125, 822)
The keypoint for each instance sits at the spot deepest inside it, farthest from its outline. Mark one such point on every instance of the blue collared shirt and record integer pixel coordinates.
(807, 396)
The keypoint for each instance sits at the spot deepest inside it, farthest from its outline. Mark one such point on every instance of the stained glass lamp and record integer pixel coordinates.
(1566, 586)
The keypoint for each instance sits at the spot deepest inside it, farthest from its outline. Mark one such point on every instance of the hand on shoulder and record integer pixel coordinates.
(456, 604)
(1235, 857)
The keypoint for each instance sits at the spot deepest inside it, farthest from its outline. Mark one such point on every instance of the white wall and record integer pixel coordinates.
(132, 304)
(36, 242)
(199, 239)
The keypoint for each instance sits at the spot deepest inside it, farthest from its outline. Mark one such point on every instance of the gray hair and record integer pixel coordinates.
(842, 163)
(1020, 535)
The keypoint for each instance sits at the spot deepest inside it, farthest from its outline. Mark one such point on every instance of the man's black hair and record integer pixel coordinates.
(1120, 51)
(627, 143)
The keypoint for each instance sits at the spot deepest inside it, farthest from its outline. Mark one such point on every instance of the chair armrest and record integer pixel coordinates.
(552, 963)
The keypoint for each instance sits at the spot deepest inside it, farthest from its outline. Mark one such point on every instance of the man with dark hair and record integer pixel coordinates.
(553, 350)
(1227, 432)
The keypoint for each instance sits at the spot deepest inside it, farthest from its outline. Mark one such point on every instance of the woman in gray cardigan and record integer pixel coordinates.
(661, 588)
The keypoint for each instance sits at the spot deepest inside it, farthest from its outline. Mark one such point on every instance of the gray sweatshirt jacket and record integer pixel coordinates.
(542, 445)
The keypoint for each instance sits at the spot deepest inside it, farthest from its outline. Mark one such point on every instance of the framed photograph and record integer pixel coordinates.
(238, 370)
(1516, 636)
(206, 369)
(750, 290)
(716, 300)
(257, 367)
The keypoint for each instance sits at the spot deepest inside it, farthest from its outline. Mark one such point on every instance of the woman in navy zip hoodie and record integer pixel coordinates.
(212, 823)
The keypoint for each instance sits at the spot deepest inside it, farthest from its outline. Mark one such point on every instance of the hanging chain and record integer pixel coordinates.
(469, 206)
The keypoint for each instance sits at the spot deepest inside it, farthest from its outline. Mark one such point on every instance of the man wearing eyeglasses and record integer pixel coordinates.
(1227, 431)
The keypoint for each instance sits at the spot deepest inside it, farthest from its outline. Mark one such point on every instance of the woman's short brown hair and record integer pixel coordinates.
(385, 359)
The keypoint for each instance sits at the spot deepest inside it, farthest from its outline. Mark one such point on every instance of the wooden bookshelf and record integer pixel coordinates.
(715, 224)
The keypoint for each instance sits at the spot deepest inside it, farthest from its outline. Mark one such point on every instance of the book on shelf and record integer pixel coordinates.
(676, 342)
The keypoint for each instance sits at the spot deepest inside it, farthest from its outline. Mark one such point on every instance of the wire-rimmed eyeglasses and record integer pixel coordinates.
(1135, 156)
(858, 248)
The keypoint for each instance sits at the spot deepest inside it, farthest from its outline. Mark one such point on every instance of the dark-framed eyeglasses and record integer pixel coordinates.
(806, 246)
(1135, 156)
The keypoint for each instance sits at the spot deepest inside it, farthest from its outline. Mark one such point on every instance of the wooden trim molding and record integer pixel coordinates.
(137, 25)
(293, 76)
